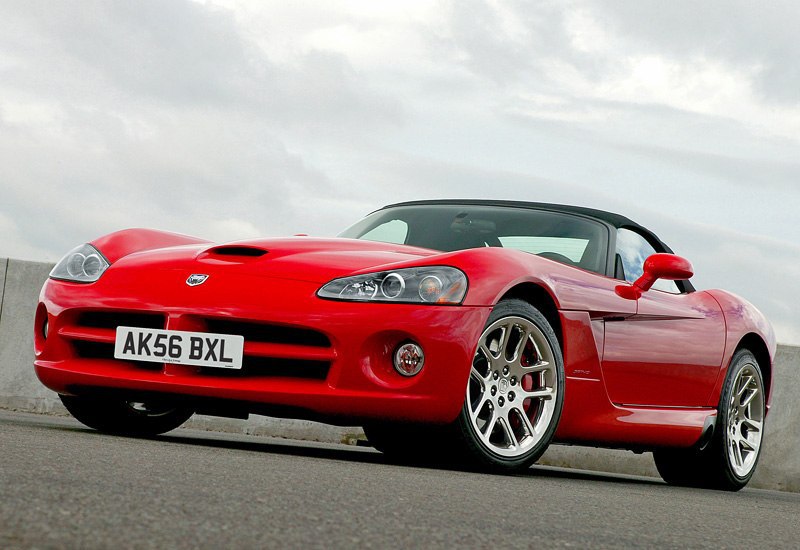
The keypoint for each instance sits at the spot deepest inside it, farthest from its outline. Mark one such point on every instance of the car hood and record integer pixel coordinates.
(296, 258)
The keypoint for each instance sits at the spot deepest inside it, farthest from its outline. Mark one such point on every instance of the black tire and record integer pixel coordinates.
(718, 465)
(683, 467)
(389, 438)
(412, 442)
(503, 391)
(126, 417)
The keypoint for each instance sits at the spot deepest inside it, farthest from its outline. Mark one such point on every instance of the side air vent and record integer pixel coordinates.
(246, 251)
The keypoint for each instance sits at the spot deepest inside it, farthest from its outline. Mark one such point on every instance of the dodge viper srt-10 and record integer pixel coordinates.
(473, 332)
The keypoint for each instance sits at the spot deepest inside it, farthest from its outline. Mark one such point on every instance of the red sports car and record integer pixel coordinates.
(472, 331)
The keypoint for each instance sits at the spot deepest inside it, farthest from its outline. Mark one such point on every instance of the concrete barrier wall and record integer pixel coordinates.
(19, 387)
(20, 282)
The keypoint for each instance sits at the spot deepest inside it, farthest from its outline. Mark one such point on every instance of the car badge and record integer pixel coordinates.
(196, 279)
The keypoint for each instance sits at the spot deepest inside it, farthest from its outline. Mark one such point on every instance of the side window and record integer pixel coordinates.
(632, 251)
(393, 232)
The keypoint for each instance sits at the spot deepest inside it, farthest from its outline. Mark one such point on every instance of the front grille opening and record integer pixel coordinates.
(103, 350)
(248, 251)
(276, 368)
(271, 334)
(93, 350)
(114, 319)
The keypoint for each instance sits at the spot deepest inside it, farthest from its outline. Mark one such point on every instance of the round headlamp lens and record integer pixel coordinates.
(92, 265)
(430, 288)
(393, 285)
(75, 264)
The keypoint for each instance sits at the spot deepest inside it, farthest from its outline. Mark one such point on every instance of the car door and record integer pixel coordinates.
(669, 353)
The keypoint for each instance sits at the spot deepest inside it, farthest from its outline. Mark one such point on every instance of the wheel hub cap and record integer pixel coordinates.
(503, 386)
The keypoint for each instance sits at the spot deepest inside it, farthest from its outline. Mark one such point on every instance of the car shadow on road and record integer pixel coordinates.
(368, 455)
(332, 451)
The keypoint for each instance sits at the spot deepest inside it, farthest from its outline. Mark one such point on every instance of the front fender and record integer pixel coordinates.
(121, 243)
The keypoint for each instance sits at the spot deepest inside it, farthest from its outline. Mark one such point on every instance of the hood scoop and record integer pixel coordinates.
(238, 250)
(233, 253)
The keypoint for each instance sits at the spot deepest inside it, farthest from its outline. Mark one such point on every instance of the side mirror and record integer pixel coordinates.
(657, 266)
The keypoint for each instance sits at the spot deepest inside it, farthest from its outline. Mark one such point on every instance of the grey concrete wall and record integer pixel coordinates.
(19, 387)
(3, 267)
(779, 466)
(21, 281)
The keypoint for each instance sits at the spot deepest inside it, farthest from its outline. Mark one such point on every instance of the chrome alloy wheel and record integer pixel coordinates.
(745, 421)
(512, 387)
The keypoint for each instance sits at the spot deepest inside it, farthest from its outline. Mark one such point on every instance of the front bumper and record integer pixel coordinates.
(320, 358)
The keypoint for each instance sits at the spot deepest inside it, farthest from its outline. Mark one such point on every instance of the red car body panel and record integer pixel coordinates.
(743, 321)
(668, 354)
(640, 373)
(121, 243)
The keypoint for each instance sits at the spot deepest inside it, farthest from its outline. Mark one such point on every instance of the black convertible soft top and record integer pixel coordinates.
(610, 218)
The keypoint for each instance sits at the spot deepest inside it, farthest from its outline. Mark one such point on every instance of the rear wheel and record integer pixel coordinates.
(730, 459)
(152, 417)
(515, 391)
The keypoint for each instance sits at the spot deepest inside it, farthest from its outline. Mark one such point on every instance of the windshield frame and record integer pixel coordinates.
(604, 264)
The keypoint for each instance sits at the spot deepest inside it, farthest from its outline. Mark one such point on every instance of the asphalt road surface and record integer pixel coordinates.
(64, 486)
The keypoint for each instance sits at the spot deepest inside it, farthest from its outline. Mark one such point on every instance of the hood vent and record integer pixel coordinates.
(238, 250)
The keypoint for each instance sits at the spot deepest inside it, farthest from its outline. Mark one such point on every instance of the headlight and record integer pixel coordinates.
(84, 264)
(432, 285)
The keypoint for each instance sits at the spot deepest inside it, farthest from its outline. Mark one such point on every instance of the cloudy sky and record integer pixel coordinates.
(230, 120)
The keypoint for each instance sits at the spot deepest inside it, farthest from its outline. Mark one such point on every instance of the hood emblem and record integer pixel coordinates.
(196, 279)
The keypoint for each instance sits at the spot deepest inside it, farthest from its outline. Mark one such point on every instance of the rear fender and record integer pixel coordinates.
(743, 319)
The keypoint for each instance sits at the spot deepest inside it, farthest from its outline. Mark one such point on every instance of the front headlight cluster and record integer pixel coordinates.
(430, 285)
(83, 264)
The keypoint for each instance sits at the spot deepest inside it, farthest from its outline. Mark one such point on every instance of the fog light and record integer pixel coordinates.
(45, 328)
(408, 359)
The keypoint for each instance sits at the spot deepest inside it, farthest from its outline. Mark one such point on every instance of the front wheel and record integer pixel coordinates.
(730, 460)
(148, 418)
(515, 391)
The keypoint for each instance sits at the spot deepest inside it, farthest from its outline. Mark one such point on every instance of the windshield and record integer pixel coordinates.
(562, 237)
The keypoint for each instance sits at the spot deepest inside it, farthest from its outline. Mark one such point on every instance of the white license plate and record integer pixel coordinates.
(177, 346)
